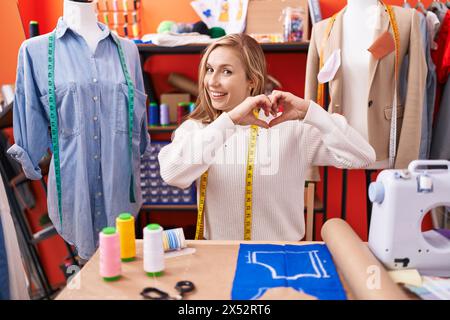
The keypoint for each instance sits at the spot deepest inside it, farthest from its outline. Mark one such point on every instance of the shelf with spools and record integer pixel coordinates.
(122, 16)
(159, 116)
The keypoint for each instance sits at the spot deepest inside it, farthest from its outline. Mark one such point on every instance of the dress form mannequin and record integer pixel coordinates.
(360, 20)
(81, 17)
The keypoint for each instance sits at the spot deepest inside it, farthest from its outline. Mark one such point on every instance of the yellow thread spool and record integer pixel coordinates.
(135, 29)
(125, 227)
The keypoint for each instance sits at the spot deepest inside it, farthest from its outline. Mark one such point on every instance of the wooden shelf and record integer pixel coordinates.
(171, 207)
(168, 128)
(149, 49)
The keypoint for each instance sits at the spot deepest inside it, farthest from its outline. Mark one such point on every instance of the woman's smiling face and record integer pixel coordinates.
(225, 80)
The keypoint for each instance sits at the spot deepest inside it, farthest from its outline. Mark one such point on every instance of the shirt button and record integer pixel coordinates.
(95, 118)
(95, 98)
(95, 80)
(98, 213)
(99, 194)
(96, 157)
(99, 177)
(95, 137)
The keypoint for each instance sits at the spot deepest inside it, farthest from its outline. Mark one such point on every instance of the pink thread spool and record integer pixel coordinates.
(110, 266)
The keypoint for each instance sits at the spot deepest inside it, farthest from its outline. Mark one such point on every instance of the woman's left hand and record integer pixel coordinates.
(294, 108)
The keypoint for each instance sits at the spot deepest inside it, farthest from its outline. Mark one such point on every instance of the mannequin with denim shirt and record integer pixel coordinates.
(100, 145)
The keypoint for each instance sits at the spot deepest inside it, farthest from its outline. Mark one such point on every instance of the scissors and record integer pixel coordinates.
(182, 287)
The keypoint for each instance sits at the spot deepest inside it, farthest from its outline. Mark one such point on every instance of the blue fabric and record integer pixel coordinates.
(4, 274)
(305, 268)
(92, 97)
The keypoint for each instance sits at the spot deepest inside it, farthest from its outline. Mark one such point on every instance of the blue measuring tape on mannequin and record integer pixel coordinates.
(54, 118)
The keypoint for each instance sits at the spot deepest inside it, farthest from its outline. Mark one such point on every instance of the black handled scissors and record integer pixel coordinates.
(182, 287)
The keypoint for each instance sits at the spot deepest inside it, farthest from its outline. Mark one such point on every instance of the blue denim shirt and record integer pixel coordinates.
(92, 105)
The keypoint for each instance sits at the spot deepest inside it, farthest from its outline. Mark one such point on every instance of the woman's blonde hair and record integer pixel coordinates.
(253, 60)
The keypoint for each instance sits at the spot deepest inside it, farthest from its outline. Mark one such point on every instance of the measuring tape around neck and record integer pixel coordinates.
(393, 131)
(54, 118)
(320, 86)
(251, 153)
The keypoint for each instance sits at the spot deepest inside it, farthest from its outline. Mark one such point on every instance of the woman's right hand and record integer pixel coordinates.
(243, 115)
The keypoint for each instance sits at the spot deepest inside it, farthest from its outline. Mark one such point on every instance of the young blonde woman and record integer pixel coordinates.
(257, 195)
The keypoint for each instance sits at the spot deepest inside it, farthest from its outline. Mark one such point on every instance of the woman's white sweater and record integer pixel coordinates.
(284, 154)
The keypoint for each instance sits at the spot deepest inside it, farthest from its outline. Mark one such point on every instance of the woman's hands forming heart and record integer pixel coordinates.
(294, 108)
(243, 113)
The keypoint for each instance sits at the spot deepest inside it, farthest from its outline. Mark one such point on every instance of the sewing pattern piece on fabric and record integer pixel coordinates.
(308, 269)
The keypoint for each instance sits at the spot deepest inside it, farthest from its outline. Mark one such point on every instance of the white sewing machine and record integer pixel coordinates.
(401, 199)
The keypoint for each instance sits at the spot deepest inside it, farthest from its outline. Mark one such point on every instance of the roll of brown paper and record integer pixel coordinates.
(365, 276)
(182, 83)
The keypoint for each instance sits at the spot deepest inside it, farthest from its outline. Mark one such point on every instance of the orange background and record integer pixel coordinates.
(288, 68)
(11, 36)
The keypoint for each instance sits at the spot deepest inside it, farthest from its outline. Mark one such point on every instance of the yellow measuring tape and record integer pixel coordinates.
(321, 86)
(393, 132)
(201, 207)
(249, 182)
(251, 153)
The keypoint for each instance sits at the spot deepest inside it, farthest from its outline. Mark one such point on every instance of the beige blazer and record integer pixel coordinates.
(381, 84)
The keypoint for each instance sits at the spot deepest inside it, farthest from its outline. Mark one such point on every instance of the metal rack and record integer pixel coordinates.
(28, 240)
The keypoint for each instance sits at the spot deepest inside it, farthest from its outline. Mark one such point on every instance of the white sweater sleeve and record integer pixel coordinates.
(193, 149)
(331, 141)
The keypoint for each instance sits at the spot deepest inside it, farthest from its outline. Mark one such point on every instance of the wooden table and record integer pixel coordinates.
(211, 268)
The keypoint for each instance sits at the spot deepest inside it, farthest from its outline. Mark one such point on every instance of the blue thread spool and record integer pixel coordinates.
(153, 111)
(174, 239)
(164, 114)
(191, 107)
